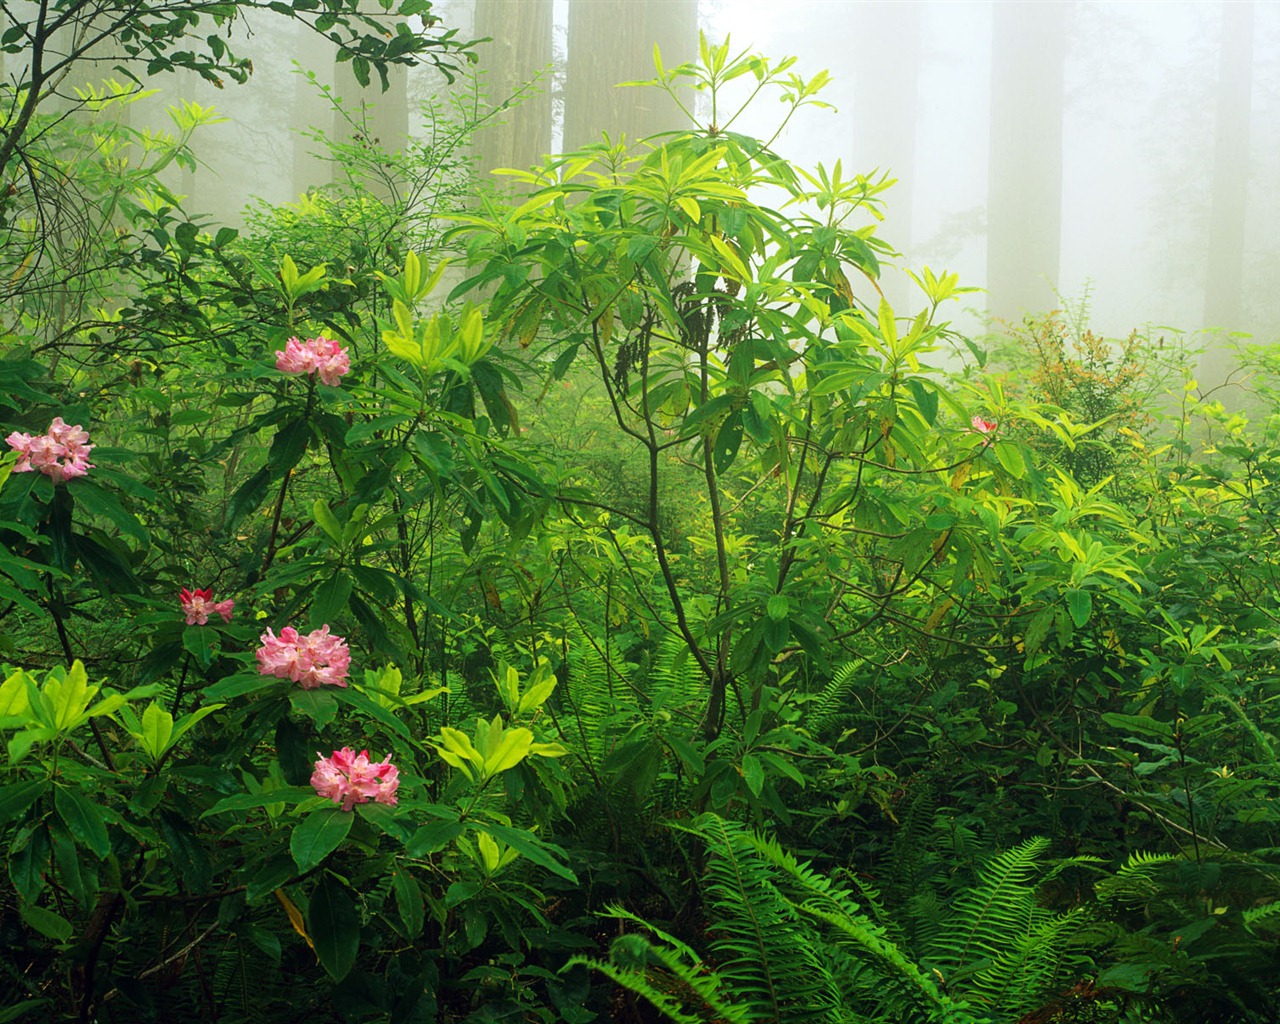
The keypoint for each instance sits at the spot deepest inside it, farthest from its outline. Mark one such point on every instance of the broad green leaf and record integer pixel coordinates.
(187, 721)
(83, 819)
(433, 837)
(510, 751)
(752, 773)
(409, 902)
(17, 797)
(251, 800)
(537, 695)
(46, 922)
(384, 817)
(334, 924)
(778, 607)
(69, 696)
(318, 705)
(691, 208)
(1010, 457)
(202, 643)
(530, 846)
(490, 855)
(325, 519)
(318, 835)
(1080, 604)
(1140, 725)
(13, 696)
(157, 728)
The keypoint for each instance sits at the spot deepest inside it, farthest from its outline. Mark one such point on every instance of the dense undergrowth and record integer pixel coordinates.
(718, 656)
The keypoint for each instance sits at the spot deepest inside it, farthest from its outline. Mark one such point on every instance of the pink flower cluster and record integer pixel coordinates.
(316, 659)
(198, 605)
(984, 427)
(348, 778)
(315, 355)
(62, 453)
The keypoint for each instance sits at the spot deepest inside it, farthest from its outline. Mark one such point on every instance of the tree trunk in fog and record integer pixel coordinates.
(886, 80)
(520, 50)
(611, 41)
(1024, 205)
(370, 118)
(311, 109)
(1223, 295)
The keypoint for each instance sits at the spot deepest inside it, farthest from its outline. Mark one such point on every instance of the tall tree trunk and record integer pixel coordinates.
(371, 119)
(311, 108)
(1223, 306)
(886, 79)
(1024, 206)
(520, 51)
(611, 41)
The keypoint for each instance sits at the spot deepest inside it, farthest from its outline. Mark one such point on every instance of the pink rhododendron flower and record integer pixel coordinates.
(984, 427)
(198, 605)
(61, 454)
(348, 778)
(316, 659)
(315, 355)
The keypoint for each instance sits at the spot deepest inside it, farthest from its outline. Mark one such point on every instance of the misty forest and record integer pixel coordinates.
(710, 511)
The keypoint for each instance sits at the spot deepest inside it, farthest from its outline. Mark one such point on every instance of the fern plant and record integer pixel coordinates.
(1205, 930)
(791, 944)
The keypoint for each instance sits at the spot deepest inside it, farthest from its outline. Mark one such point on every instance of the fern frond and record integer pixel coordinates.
(831, 702)
(1267, 917)
(686, 993)
(767, 952)
(857, 934)
(1031, 965)
(863, 968)
(1001, 905)
(1135, 882)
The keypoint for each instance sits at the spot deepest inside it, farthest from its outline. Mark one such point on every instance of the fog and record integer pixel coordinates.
(1119, 157)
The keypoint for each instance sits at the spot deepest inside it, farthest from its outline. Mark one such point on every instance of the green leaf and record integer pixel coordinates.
(752, 774)
(926, 400)
(383, 817)
(16, 798)
(409, 902)
(46, 922)
(513, 748)
(252, 800)
(728, 441)
(249, 495)
(1080, 605)
(317, 705)
(325, 518)
(157, 728)
(1010, 457)
(778, 607)
(187, 721)
(29, 863)
(83, 819)
(530, 846)
(334, 925)
(433, 837)
(318, 835)
(18, 1010)
(288, 446)
(1140, 725)
(94, 500)
(330, 600)
(203, 643)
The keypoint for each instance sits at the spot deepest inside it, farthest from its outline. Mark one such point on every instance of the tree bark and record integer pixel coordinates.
(1223, 294)
(519, 52)
(1024, 207)
(611, 41)
(886, 79)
